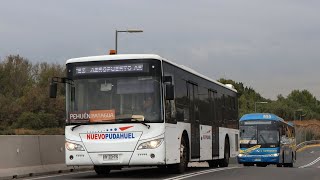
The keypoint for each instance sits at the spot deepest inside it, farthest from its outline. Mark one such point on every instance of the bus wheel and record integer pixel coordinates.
(182, 166)
(248, 164)
(262, 164)
(213, 163)
(225, 161)
(291, 164)
(102, 170)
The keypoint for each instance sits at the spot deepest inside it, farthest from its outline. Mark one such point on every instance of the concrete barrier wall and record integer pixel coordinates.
(21, 151)
(52, 149)
(23, 156)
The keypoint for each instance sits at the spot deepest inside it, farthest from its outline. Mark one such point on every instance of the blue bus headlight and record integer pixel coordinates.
(240, 155)
(275, 155)
(151, 144)
(73, 146)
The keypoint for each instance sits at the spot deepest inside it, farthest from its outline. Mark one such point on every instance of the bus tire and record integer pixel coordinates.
(248, 164)
(213, 163)
(291, 164)
(184, 158)
(102, 170)
(262, 164)
(225, 161)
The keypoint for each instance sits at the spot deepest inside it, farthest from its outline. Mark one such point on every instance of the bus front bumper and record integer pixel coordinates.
(151, 157)
(266, 158)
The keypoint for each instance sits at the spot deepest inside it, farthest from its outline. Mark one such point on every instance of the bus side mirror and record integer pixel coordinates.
(53, 90)
(169, 92)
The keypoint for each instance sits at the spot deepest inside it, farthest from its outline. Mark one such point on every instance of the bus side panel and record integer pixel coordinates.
(173, 136)
(288, 154)
(233, 135)
(205, 142)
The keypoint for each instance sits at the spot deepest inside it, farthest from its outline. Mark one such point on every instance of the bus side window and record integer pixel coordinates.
(170, 104)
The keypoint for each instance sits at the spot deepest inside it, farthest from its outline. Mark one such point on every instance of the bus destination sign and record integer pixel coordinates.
(103, 69)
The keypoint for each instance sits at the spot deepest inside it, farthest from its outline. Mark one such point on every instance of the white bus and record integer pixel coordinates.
(143, 110)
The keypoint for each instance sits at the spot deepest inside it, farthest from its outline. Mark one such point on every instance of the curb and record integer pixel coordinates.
(33, 171)
(308, 146)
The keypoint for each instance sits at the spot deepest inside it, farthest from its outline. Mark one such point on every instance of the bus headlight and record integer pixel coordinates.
(74, 147)
(275, 155)
(151, 144)
(240, 155)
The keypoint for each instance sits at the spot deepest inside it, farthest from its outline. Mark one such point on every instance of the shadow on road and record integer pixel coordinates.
(143, 173)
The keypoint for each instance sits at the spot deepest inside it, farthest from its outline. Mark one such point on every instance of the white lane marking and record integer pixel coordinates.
(184, 176)
(310, 164)
(65, 174)
(312, 152)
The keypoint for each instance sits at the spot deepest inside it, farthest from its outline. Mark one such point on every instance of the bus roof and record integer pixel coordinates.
(261, 116)
(142, 56)
(114, 57)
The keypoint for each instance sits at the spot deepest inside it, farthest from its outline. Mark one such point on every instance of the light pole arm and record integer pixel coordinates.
(127, 31)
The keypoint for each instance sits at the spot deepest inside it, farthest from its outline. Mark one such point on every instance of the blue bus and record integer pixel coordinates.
(266, 139)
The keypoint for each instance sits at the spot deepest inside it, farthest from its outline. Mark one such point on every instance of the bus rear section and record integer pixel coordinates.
(263, 141)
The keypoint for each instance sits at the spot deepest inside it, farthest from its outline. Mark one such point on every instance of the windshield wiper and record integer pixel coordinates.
(78, 125)
(122, 119)
(263, 138)
(75, 126)
(134, 120)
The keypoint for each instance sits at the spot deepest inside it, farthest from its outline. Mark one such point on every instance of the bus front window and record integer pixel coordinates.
(248, 132)
(113, 100)
(268, 137)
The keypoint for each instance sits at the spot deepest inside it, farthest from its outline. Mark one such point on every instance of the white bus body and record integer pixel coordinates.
(114, 145)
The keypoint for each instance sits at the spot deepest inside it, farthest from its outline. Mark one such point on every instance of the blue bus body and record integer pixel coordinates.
(266, 139)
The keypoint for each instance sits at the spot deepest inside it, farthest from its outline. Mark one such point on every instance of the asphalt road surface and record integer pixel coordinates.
(307, 167)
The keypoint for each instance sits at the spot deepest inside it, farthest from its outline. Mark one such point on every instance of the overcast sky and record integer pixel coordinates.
(271, 45)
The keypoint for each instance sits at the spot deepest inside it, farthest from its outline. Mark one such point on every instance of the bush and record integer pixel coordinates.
(48, 120)
(39, 120)
(4, 130)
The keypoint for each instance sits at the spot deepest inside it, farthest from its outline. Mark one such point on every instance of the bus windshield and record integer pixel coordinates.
(117, 97)
(248, 132)
(264, 134)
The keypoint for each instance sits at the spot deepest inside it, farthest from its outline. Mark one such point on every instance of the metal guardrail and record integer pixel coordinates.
(301, 145)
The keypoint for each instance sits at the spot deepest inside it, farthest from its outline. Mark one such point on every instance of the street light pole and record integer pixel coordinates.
(255, 105)
(127, 31)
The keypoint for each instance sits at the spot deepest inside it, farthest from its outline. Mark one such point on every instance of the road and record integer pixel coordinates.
(306, 167)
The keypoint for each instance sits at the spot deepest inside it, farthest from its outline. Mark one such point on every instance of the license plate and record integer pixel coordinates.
(257, 159)
(110, 157)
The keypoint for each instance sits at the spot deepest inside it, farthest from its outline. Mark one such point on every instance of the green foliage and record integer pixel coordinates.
(30, 120)
(24, 89)
(4, 130)
(298, 104)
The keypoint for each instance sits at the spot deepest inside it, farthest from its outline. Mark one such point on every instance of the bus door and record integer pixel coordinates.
(194, 120)
(215, 125)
